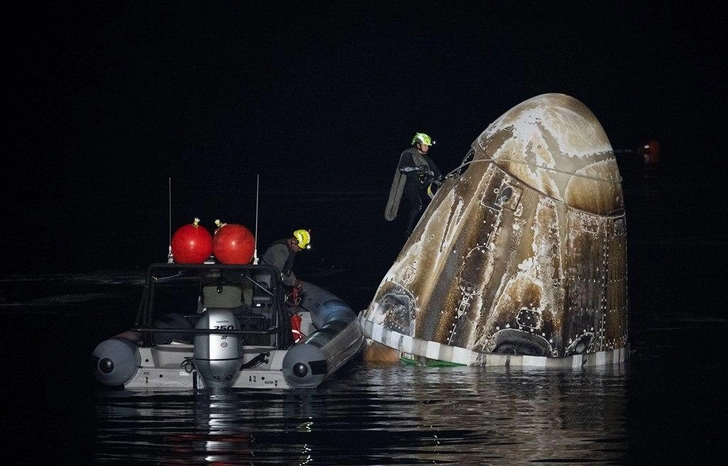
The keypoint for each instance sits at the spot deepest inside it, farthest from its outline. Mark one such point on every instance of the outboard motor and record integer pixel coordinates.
(218, 356)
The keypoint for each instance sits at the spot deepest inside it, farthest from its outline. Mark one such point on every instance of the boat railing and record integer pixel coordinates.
(253, 292)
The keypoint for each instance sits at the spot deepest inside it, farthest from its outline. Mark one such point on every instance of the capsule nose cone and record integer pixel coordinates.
(556, 145)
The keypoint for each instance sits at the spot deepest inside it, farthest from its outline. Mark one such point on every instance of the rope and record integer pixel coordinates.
(537, 166)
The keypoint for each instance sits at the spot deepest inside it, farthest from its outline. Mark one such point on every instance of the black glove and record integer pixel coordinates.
(426, 177)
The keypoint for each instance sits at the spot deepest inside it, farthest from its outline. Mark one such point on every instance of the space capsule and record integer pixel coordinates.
(521, 257)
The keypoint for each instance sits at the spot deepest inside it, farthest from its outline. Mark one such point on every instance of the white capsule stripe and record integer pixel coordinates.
(463, 356)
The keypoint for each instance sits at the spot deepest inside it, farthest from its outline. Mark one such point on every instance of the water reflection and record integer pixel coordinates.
(379, 415)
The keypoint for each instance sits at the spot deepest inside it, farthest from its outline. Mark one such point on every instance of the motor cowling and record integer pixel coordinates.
(218, 356)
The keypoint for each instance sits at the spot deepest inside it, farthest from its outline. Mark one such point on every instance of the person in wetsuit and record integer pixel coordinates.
(282, 253)
(421, 173)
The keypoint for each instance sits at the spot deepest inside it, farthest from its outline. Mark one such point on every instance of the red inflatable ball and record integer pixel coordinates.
(191, 244)
(650, 152)
(233, 243)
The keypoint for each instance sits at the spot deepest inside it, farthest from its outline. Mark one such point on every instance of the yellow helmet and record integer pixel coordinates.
(304, 238)
(422, 138)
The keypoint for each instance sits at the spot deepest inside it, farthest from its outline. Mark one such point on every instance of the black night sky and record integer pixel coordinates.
(108, 101)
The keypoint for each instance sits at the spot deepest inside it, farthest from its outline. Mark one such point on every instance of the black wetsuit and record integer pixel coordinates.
(418, 179)
(281, 256)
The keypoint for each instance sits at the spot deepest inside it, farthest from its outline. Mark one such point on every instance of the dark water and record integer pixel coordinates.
(664, 406)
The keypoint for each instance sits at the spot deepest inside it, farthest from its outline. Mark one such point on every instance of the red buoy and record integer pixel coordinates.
(650, 153)
(191, 244)
(233, 243)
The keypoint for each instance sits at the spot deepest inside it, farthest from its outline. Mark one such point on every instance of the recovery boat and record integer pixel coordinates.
(216, 326)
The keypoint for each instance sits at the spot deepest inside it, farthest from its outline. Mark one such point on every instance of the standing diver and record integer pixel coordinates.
(415, 175)
(282, 253)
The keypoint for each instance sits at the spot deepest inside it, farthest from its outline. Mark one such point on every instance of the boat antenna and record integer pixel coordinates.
(170, 258)
(255, 237)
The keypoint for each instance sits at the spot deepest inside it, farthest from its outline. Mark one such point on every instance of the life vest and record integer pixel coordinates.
(296, 327)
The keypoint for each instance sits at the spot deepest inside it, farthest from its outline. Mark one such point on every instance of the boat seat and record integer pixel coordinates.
(221, 292)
